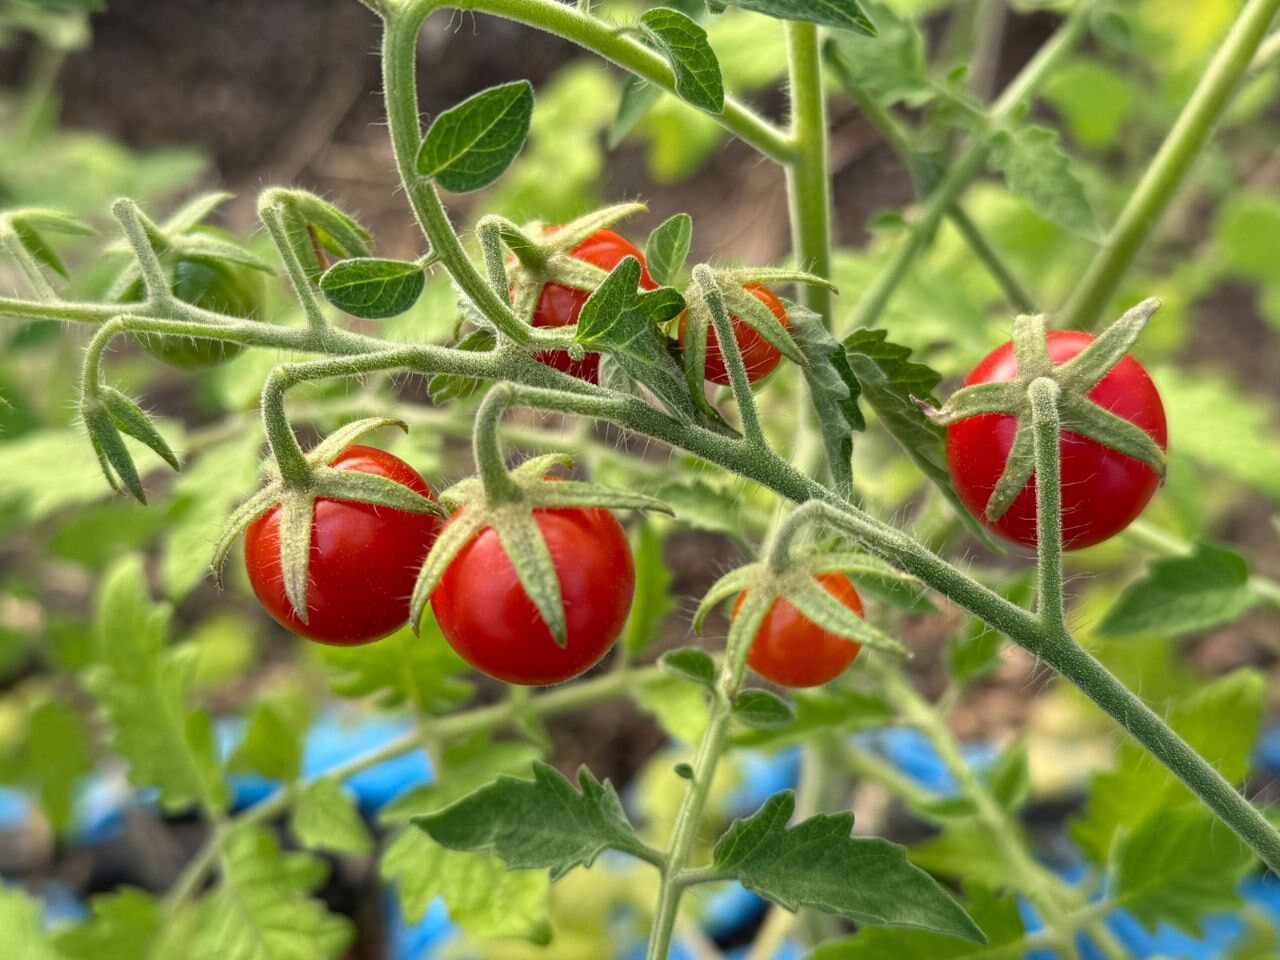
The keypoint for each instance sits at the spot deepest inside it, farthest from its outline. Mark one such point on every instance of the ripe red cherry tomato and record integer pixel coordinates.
(793, 651)
(759, 356)
(1103, 490)
(559, 306)
(490, 621)
(364, 559)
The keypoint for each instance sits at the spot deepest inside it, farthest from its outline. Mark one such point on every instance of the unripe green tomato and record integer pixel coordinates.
(210, 285)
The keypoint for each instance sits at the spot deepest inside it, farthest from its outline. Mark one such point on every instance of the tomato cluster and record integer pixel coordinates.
(364, 562)
(560, 306)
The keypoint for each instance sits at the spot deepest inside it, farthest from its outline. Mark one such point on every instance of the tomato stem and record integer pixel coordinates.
(1047, 428)
(1172, 163)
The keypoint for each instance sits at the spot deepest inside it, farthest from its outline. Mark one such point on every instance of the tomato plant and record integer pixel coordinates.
(793, 651)
(488, 619)
(363, 559)
(835, 541)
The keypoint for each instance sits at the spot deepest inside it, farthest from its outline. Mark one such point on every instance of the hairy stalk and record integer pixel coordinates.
(808, 179)
(1048, 479)
(1167, 172)
(676, 876)
(1167, 545)
(965, 168)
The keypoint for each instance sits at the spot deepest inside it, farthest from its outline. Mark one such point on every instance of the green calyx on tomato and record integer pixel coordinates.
(802, 616)
(552, 272)
(332, 555)
(1113, 441)
(531, 586)
(757, 318)
(210, 284)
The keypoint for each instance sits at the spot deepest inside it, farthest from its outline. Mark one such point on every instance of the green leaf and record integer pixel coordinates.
(690, 663)
(1244, 235)
(261, 910)
(842, 14)
(818, 864)
(272, 744)
(889, 67)
(891, 383)
(1220, 722)
(542, 823)
(962, 851)
(679, 707)
(142, 687)
(20, 922)
(1178, 866)
(996, 914)
(652, 601)
(325, 818)
(373, 289)
(637, 98)
(1181, 595)
(1223, 427)
(421, 671)
(828, 710)
(444, 388)
(684, 43)
(762, 710)
(668, 246)
(1095, 100)
(623, 321)
(1036, 169)
(482, 896)
(128, 923)
(470, 145)
(833, 389)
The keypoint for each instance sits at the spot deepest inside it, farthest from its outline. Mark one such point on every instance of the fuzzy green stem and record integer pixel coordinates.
(1167, 172)
(129, 217)
(808, 180)
(714, 739)
(273, 217)
(498, 485)
(1048, 438)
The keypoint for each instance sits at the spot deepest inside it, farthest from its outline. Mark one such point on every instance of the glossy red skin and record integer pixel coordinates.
(759, 356)
(364, 559)
(490, 621)
(559, 306)
(793, 651)
(1103, 491)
